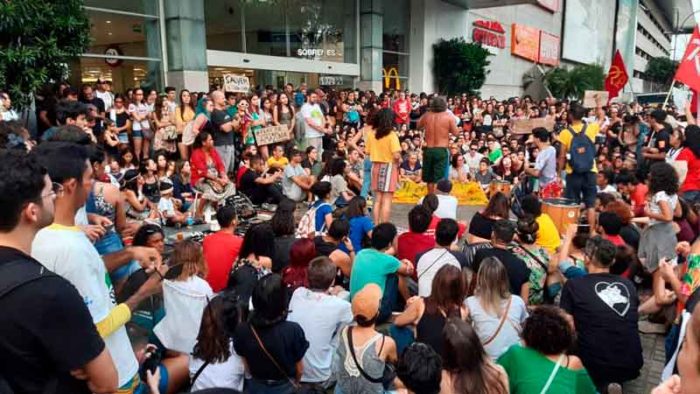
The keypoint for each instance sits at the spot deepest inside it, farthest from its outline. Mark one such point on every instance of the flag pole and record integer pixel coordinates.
(669, 94)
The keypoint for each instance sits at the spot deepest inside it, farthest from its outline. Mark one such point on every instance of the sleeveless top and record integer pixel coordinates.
(152, 191)
(100, 205)
(430, 325)
(285, 118)
(349, 378)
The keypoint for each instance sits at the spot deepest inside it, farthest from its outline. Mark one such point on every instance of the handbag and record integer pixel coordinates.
(389, 374)
(500, 324)
(294, 383)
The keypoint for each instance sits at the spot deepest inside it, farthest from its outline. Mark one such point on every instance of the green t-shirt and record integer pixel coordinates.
(371, 266)
(528, 372)
(495, 155)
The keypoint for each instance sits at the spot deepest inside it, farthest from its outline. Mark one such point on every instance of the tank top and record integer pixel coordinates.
(101, 206)
(350, 380)
(285, 118)
(430, 325)
(152, 191)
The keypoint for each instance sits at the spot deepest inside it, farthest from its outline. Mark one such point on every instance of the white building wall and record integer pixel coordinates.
(646, 46)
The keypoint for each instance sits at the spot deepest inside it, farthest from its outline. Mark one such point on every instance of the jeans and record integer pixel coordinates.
(227, 154)
(390, 298)
(403, 336)
(367, 177)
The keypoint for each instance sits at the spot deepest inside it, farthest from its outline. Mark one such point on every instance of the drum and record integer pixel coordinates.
(500, 186)
(562, 211)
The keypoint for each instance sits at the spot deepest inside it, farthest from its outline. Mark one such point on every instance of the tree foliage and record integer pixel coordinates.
(459, 67)
(37, 37)
(572, 83)
(661, 70)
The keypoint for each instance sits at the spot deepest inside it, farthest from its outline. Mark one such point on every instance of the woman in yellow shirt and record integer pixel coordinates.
(184, 114)
(385, 151)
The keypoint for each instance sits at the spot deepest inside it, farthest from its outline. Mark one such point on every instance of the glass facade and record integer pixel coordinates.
(324, 30)
(395, 52)
(125, 47)
(277, 79)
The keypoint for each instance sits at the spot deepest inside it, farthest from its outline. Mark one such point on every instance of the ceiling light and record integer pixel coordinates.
(109, 33)
(108, 21)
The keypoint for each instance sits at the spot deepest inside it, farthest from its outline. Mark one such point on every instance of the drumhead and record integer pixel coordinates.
(562, 202)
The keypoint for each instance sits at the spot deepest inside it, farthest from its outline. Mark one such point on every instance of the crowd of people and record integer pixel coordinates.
(101, 292)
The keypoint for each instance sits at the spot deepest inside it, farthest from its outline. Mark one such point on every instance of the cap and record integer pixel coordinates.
(366, 301)
(444, 185)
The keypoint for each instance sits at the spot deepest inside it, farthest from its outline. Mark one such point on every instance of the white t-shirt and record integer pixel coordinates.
(314, 113)
(473, 161)
(68, 252)
(291, 189)
(166, 206)
(447, 207)
(546, 164)
(429, 264)
(654, 204)
(142, 110)
(321, 316)
(229, 374)
(106, 97)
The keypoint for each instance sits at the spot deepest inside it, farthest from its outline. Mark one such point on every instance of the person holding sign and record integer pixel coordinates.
(314, 122)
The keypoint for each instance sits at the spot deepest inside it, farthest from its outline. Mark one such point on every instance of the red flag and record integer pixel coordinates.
(689, 69)
(617, 76)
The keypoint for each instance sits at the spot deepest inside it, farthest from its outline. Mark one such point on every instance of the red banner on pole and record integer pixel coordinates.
(689, 69)
(617, 76)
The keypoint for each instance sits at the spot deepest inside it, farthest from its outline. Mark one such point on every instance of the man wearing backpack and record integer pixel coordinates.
(577, 156)
(48, 342)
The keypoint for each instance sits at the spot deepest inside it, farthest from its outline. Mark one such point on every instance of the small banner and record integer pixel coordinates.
(236, 83)
(525, 126)
(272, 135)
(590, 96)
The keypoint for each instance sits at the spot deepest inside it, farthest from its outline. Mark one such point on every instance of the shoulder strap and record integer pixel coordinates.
(199, 372)
(10, 282)
(264, 349)
(504, 317)
(533, 256)
(552, 375)
(351, 349)
(433, 263)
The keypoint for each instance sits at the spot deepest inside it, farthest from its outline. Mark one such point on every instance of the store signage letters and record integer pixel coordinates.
(489, 33)
(313, 52)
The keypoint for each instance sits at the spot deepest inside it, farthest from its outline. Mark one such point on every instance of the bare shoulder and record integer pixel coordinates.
(575, 363)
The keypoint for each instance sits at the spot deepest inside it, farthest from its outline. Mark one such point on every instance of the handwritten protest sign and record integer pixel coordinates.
(236, 83)
(589, 98)
(525, 126)
(272, 135)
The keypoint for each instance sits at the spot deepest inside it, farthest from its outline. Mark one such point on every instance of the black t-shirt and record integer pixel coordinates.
(630, 235)
(280, 260)
(219, 117)
(324, 248)
(604, 307)
(255, 192)
(518, 273)
(660, 140)
(481, 226)
(45, 332)
(285, 342)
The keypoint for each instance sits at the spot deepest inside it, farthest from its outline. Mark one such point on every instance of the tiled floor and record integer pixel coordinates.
(654, 353)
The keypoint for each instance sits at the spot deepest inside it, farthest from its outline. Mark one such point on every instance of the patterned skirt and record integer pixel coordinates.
(385, 177)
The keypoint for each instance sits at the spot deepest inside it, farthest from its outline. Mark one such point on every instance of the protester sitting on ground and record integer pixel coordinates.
(361, 225)
(411, 169)
(497, 315)
(150, 235)
(277, 161)
(428, 263)
(168, 206)
(362, 346)
(138, 207)
(447, 204)
(518, 273)
(221, 249)
(260, 186)
(49, 307)
(416, 239)
(485, 175)
(378, 265)
(296, 182)
(459, 171)
(340, 193)
(632, 191)
(542, 364)
(284, 226)
(604, 309)
(213, 355)
(426, 315)
(466, 368)
(609, 225)
(420, 369)
(688, 375)
(323, 211)
(629, 232)
(481, 224)
(253, 260)
(329, 244)
(322, 316)
(547, 233)
(535, 257)
(268, 335)
(300, 254)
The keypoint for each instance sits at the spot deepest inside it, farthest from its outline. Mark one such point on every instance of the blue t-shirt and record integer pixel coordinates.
(323, 209)
(359, 226)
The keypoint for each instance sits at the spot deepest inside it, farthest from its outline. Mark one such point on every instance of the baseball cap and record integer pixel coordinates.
(365, 303)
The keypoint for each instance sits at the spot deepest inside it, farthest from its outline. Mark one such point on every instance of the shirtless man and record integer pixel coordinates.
(438, 124)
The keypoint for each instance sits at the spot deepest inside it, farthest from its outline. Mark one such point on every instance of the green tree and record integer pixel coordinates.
(660, 70)
(572, 83)
(459, 67)
(37, 38)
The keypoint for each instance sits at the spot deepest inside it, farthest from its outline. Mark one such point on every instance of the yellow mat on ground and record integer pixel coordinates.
(469, 193)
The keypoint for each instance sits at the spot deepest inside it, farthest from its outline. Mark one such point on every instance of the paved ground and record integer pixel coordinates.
(652, 344)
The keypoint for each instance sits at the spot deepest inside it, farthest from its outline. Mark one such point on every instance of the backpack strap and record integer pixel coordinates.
(14, 275)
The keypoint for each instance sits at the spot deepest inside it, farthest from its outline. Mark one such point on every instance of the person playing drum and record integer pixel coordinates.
(545, 167)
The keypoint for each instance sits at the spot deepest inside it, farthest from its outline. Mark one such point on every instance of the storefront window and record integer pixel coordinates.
(396, 25)
(308, 29)
(260, 79)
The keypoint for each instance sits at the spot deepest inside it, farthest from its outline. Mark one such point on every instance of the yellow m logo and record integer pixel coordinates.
(393, 72)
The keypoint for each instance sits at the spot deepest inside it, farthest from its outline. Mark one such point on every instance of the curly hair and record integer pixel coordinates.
(663, 178)
(547, 331)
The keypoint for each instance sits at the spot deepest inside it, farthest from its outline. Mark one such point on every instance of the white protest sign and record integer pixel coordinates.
(236, 83)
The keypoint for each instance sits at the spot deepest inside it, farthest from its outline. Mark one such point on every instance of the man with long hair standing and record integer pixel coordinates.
(438, 123)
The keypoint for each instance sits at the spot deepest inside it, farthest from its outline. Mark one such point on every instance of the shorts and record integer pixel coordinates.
(435, 163)
(136, 134)
(581, 188)
(385, 177)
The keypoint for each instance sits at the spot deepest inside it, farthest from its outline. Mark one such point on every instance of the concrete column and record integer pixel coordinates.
(371, 30)
(186, 40)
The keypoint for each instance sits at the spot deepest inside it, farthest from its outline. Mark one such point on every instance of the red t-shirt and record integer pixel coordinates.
(410, 244)
(692, 179)
(616, 240)
(434, 222)
(639, 198)
(402, 108)
(221, 249)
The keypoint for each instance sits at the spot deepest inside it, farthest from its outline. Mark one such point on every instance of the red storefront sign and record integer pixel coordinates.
(549, 49)
(489, 33)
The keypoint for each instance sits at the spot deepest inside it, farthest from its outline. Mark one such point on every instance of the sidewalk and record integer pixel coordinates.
(654, 358)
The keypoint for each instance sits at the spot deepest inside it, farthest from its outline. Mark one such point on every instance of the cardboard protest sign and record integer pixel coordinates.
(236, 83)
(525, 126)
(272, 135)
(589, 98)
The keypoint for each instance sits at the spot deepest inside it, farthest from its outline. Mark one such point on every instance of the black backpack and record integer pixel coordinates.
(14, 275)
(581, 151)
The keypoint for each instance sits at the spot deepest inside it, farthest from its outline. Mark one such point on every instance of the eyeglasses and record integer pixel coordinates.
(56, 190)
